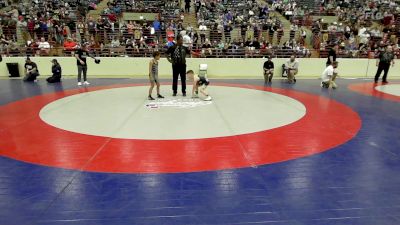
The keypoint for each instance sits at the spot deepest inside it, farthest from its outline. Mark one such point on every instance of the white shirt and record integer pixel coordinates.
(292, 65)
(202, 27)
(187, 41)
(361, 31)
(328, 73)
(44, 44)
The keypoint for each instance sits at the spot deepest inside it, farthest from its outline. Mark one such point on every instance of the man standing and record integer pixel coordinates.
(268, 70)
(187, 6)
(157, 29)
(81, 54)
(197, 6)
(383, 63)
(332, 54)
(187, 41)
(176, 55)
(292, 67)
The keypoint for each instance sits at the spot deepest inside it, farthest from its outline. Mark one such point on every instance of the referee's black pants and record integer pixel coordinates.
(179, 70)
(382, 67)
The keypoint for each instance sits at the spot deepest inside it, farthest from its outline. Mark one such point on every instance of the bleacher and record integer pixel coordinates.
(168, 12)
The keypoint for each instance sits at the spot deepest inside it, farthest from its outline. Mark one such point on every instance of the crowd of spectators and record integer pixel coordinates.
(224, 28)
(249, 26)
(38, 20)
(363, 28)
(64, 24)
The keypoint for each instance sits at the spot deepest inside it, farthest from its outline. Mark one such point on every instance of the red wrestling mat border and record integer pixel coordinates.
(25, 137)
(369, 90)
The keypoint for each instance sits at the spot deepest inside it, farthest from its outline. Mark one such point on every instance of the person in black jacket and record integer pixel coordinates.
(56, 70)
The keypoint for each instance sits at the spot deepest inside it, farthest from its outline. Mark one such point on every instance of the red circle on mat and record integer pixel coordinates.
(25, 137)
(368, 89)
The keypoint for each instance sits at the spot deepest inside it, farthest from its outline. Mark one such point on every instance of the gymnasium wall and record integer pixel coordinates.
(218, 68)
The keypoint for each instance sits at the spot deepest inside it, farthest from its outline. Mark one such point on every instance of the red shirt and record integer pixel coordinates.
(170, 36)
(31, 25)
(69, 45)
(112, 17)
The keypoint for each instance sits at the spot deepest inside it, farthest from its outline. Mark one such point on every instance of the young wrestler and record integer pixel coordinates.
(199, 84)
(153, 75)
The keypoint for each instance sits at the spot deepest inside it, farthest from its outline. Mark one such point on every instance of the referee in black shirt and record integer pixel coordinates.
(268, 70)
(176, 55)
(383, 64)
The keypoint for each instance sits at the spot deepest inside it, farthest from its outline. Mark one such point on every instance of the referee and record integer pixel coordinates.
(383, 63)
(176, 55)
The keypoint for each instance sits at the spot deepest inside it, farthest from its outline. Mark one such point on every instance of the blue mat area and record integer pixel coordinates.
(356, 183)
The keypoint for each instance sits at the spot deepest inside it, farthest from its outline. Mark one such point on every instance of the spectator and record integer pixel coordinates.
(157, 29)
(187, 41)
(70, 45)
(13, 13)
(293, 30)
(81, 28)
(202, 29)
(129, 28)
(187, 6)
(131, 47)
(206, 48)
(43, 46)
(115, 43)
(189, 28)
